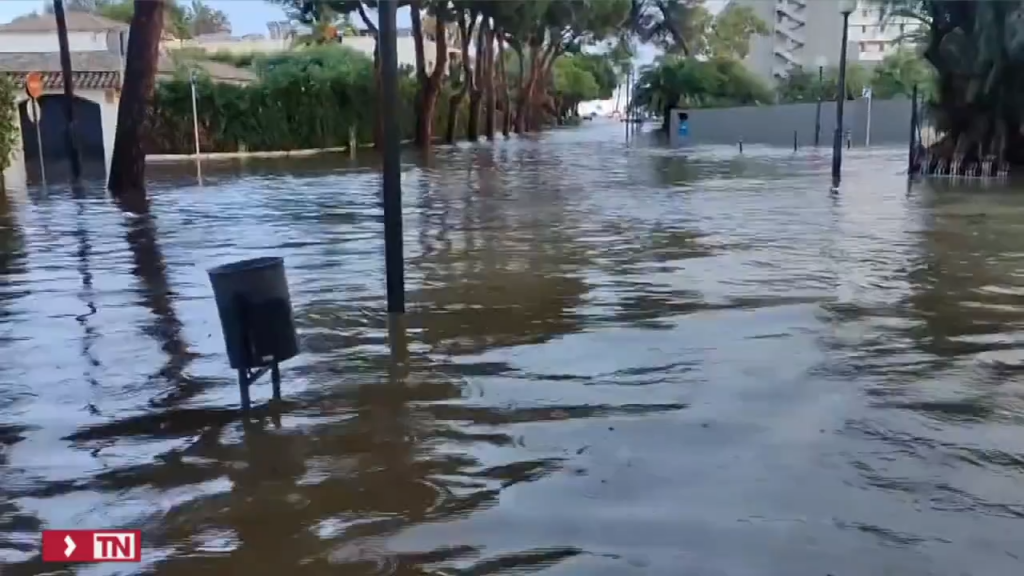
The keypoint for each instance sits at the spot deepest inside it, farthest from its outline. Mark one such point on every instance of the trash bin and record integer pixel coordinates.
(255, 312)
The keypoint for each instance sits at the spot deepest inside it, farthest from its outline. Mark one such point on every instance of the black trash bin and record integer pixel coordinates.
(255, 312)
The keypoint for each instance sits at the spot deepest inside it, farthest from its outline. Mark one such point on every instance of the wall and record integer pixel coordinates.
(47, 42)
(774, 125)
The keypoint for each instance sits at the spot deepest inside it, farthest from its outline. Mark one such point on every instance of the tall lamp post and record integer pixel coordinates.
(391, 169)
(820, 61)
(846, 7)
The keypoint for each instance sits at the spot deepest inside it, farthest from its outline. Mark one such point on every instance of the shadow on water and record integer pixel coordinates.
(618, 360)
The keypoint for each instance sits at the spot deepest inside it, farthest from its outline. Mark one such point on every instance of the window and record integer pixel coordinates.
(864, 13)
(903, 28)
(864, 29)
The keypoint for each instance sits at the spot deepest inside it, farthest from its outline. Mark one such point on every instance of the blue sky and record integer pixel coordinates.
(247, 16)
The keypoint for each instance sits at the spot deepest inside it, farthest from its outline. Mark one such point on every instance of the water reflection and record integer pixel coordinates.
(617, 361)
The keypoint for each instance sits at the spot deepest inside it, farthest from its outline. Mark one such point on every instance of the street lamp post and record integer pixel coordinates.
(846, 7)
(391, 169)
(820, 61)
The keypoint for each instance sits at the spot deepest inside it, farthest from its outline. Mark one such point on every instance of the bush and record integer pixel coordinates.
(303, 99)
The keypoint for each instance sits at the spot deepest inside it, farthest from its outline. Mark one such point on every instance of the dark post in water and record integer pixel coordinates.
(69, 91)
(391, 186)
(837, 143)
(913, 133)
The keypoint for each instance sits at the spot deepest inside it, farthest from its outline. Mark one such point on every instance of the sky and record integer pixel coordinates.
(246, 16)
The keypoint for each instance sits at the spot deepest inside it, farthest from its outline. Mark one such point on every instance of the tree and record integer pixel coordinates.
(175, 17)
(128, 166)
(730, 32)
(899, 72)
(202, 19)
(977, 52)
(803, 86)
(572, 83)
(674, 26)
(78, 5)
(602, 68)
(681, 81)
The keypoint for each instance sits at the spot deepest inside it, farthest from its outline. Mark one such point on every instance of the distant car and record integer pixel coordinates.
(590, 116)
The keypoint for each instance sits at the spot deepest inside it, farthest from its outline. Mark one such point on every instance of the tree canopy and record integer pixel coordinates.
(184, 21)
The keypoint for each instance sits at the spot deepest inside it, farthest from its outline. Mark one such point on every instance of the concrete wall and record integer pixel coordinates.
(774, 125)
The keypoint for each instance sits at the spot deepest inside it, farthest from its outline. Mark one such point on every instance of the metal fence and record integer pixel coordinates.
(932, 156)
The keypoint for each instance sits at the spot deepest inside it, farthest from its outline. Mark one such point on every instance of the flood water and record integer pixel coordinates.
(617, 361)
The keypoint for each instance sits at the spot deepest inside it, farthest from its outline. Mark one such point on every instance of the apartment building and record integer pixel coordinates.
(808, 33)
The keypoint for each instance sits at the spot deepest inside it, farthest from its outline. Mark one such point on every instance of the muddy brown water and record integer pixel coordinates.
(617, 361)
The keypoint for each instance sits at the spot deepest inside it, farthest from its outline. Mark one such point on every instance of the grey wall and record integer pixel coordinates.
(774, 125)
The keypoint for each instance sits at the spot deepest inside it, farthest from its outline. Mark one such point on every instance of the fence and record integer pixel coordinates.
(866, 122)
(931, 156)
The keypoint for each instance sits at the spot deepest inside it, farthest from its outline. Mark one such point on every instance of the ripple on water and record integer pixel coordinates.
(617, 360)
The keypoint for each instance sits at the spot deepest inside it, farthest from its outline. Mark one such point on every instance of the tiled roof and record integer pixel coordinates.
(77, 22)
(218, 71)
(50, 61)
(82, 80)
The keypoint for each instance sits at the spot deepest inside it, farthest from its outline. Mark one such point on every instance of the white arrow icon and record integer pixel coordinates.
(71, 546)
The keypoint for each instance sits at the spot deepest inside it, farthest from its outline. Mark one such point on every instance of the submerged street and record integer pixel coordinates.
(619, 360)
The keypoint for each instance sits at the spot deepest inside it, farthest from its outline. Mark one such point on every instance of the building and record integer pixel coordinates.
(878, 36)
(807, 33)
(29, 44)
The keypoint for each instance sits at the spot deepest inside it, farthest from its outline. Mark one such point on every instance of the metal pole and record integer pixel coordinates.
(195, 125)
(867, 129)
(69, 90)
(913, 132)
(391, 186)
(36, 113)
(837, 144)
(817, 111)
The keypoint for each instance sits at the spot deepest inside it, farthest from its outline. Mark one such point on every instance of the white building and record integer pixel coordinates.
(808, 33)
(876, 36)
(29, 44)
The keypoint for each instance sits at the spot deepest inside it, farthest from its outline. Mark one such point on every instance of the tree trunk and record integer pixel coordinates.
(506, 100)
(476, 91)
(524, 87)
(430, 86)
(378, 124)
(488, 78)
(128, 165)
(455, 101)
(421, 67)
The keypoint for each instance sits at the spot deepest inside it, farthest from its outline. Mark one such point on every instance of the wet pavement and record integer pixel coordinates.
(617, 361)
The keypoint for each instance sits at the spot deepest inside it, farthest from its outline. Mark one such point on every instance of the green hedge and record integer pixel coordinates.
(304, 99)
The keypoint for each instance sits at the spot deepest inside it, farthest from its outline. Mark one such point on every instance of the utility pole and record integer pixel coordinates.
(391, 169)
(69, 91)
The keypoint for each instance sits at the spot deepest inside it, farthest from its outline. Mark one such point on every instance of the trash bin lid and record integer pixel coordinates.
(244, 265)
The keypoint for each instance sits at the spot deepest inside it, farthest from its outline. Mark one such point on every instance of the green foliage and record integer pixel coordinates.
(303, 99)
(10, 122)
(898, 73)
(729, 34)
(182, 21)
(602, 70)
(804, 86)
(572, 82)
(692, 83)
